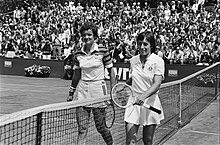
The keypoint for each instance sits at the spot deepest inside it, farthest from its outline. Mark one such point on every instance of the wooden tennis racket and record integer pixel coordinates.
(122, 96)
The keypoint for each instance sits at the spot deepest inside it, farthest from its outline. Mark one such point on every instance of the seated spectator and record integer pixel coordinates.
(46, 49)
(177, 56)
(217, 55)
(159, 52)
(204, 58)
(214, 54)
(1, 41)
(29, 52)
(10, 49)
(189, 55)
(167, 54)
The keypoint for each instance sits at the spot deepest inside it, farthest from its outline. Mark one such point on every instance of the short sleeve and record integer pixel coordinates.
(160, 67)
(107, 59)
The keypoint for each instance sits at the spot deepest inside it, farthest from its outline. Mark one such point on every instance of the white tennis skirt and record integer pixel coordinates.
(90, 90)
(140, 115)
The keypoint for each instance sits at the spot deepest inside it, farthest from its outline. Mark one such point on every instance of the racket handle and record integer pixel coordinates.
(152, 108)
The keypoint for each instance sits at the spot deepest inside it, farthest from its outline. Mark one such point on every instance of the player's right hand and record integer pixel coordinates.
(71, 93)
(138, 101)
(69, 98)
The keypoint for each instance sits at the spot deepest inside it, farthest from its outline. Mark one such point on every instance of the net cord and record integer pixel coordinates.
(9, 118)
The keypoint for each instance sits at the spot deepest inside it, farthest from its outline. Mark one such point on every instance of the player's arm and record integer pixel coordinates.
(75, 79)
(157, 81)
(107, 61)
(112, 76)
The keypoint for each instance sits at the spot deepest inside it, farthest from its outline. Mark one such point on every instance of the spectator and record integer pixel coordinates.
(177, 56)
(217, 55)
(10, 49)
(29, 52)
(47, 49)
(159, 52)
(189, 54)
(57, 45)
(167, 54)
(1, 41)
(17, 15)
(204, 58)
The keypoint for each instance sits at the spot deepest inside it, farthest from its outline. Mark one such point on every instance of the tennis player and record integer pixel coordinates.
(147, 73)
(88, 82)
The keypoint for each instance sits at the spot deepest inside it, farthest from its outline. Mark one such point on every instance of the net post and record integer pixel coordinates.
(180, 105)
(38, 128)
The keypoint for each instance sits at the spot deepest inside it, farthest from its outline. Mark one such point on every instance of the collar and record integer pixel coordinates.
(152, 56)
(93, 49)
(149, 57)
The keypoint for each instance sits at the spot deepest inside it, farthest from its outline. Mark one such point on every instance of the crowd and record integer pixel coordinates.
(185, 33)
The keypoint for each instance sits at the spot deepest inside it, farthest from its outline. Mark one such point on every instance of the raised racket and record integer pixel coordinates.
(122, 96)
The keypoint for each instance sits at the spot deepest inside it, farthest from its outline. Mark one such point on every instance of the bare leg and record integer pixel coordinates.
(148, 134)
(131, 133)
(82, 116)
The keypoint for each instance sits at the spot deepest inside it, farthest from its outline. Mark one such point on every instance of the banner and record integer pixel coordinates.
(123, 73)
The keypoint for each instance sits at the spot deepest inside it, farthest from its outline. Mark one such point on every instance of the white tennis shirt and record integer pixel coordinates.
(92, 64)
(142, 77)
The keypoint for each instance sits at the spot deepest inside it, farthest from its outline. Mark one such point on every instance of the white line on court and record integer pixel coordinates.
(27, 90)
(201, 132)
(34, 84)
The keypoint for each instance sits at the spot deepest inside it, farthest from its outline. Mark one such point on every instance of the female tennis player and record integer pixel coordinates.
(147, 73)
(88, 82)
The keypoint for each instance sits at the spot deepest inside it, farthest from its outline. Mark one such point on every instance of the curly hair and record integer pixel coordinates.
(87, 26)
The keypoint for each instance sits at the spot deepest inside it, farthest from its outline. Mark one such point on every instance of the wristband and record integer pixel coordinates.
(71, 91)
(72, 88)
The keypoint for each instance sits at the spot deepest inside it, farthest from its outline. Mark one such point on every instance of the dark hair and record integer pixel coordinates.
(149, 36)
(87, 26)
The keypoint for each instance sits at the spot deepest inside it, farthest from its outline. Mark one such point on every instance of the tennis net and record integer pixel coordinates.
(56, 124)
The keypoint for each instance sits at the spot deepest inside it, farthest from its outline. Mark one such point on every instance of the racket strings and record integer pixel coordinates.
(121, 94)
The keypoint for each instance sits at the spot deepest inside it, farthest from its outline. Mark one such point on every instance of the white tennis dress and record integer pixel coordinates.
(142, 79)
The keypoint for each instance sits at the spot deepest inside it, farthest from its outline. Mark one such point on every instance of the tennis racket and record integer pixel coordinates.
(109, 114)
(110, 111)
(122, 96)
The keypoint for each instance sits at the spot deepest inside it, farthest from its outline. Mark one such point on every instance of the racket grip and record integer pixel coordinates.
(155, 110)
